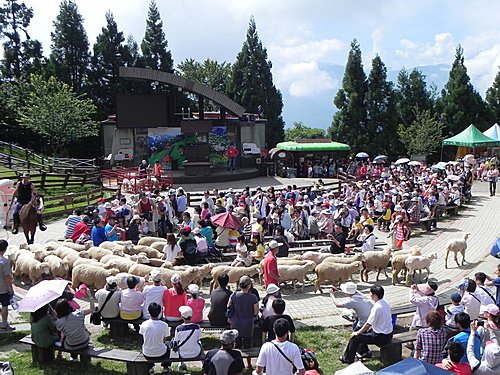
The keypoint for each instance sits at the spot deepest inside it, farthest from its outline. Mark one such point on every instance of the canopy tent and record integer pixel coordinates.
(493, 132)
(312, 146)
(470, 137)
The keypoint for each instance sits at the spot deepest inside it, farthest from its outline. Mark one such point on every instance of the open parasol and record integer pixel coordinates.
(226, 220)
(42, 293)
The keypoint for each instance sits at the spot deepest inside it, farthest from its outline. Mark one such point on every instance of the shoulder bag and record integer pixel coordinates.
(294, 369)
(95, 317)
(176, 346)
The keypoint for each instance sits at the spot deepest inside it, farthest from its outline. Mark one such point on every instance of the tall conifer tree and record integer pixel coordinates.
(412, 96)
(493, 98)
(252, 85)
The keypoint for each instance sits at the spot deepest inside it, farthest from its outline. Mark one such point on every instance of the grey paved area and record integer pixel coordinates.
(480, 219)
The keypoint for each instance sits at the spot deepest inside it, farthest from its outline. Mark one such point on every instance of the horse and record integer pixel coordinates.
(28, 218)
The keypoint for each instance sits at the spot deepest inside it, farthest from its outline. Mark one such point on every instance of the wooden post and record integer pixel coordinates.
(84, 179)
(44, 177)
(188, 195)
(66, 179)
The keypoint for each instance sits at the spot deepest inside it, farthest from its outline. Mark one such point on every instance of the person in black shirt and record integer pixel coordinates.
(267, 324)
(279, 236)
(218, 302)
(225, 360)
(339, 239)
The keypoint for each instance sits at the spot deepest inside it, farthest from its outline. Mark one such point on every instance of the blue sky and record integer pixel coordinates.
(303, 38)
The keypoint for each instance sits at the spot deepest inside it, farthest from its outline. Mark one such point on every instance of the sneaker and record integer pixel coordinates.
(7, 327)
(15, 230)
(366, 355)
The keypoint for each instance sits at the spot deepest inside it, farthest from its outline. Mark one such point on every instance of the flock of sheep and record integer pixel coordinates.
(90, 265)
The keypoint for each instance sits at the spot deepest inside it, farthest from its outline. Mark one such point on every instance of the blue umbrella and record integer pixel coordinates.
(412, 366)
(362, 155)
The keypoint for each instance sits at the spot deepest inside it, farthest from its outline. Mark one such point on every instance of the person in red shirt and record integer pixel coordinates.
(232, 152)
(173, 298)
(81, 228)
(455, 352)
(270, 264)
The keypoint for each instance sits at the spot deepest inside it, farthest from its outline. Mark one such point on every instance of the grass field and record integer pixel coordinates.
(327, 343)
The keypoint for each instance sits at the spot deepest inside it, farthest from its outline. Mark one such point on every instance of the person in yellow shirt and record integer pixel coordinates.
(356, 228)
(384, 220)
(365, 217)
(259, 252)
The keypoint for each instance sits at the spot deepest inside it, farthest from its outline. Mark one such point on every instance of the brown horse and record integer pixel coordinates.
(28, 218)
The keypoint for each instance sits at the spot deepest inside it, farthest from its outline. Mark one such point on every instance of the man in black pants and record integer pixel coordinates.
(377, 330)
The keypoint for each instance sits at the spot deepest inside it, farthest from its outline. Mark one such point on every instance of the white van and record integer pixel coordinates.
(250, 149)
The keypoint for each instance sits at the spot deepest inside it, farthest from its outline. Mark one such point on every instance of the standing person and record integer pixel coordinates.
(143, 169)
(377, 329)
(483, 292)
(280, 356)
(225, 360)
(232, 152)
(6, 287)
(219, 299)
(495, 281)
(23, 193)
(245, 307)
(145, 207)
(431, 340)
(154, 332)
(153, 293)
(492, 177)
(424, 299)
(157, 171)
(270, 264)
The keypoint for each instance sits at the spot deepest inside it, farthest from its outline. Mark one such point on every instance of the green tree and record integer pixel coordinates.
(252, 85)
(412, 95)
(154, 45)
(381, 125)
(21, 54)
(132, 56)
(493, 98)
(57, 113)
(460, 105)
(423, 136)
(349, 122)
(109, 55)
(301, 131)
(69, 57)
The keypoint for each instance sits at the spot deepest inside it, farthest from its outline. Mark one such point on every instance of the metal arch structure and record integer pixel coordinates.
(185, 84)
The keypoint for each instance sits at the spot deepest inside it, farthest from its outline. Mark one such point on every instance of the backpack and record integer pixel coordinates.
(190, 247)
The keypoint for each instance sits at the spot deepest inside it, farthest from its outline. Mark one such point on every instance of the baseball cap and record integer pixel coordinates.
(228, 336)
(273, 244)
(245, 281)
(107, 205)
(456, 297)
(349, 287)
(272, 288)
(110, 280)
(155, 275)
(196, 230)
(175, 278)
(193, 289)
(492, 309)
(186, 311)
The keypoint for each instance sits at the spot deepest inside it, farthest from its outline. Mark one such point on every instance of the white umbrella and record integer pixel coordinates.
(42, 293)
(415, 163)
(362, 155)
(402, 161)
(381, 157)
(453, 177)
(467, 157)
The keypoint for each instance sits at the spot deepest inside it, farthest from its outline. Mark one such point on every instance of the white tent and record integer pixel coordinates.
(493, 132)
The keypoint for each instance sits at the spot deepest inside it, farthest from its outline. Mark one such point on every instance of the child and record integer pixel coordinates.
(204, 211)
(171, 248)
(196, 304)
(453, 310)
(259, 252)
(384, 220)
(267, 325)
(201, 242)
(356, 228)
(243, 259)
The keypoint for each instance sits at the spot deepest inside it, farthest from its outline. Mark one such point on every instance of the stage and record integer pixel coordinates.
(216, 175)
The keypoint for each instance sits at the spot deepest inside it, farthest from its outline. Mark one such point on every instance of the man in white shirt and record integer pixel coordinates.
(280, 356)
(153, 293)
(484, 293)
(154, 332)
(378, 327)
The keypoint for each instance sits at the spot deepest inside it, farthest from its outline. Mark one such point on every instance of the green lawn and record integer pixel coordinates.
(327, 343)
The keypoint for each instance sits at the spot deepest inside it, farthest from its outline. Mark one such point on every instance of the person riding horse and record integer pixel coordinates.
(25, 190)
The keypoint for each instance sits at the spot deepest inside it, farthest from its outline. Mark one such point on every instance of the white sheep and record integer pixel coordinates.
(122, 264)
(158, 245)
(295, 273)
(203, 271)
(376, 260)
(77, 246)
(58, 267)
(360, 257)
(147, 241)
(456, 246)
(188, 276)
(150, 252)
(234, 273)
(62, 251)
(51, 245)
(86, 261)
(315, 256)
(97, 252)
(71, 258)
(124, 246)
(28, 266)
(40, 254)
(398, 259)
(335, 272)
(140, 269)
(91, 275)
(418, 263)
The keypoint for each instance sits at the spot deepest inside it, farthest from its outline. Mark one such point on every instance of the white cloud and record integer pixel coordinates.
(304, 79)
(418, 53)
(294, 50)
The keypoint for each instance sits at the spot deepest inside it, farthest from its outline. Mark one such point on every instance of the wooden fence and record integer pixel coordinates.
(65, 204)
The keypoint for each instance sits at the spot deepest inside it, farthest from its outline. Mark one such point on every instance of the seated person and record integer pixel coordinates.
(224, 360)
(243, 259)
(197, 304)
(462, 320)
(201, 242)
(112, 294)
(131, 300)
(267, 325)
(43, 330)
(452, 363)
(154, 332)
(367, 239)
(186, 342)
(356, 229)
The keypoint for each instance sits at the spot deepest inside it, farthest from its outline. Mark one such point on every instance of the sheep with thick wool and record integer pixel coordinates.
(62, 251)
(149, 251)
(86, 261)
(360, 257)
(57, 266)
(188, 276)
(376, 260)
(91, 275)
(124, 246)
(72, 257)
(335, 272)
(138, 269)
(97, 252)
(29, 266)
(51, 245)
(234, 273)
(147, 241)
(76, 246)
(123, 264)
(418, 263)
(458, 245)
(315, 256)
(295, 273)
(398, 260)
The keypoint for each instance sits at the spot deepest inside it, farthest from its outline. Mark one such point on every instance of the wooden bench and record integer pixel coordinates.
(136, 363)
(451, 210)
(426, 223)
(393, 352)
